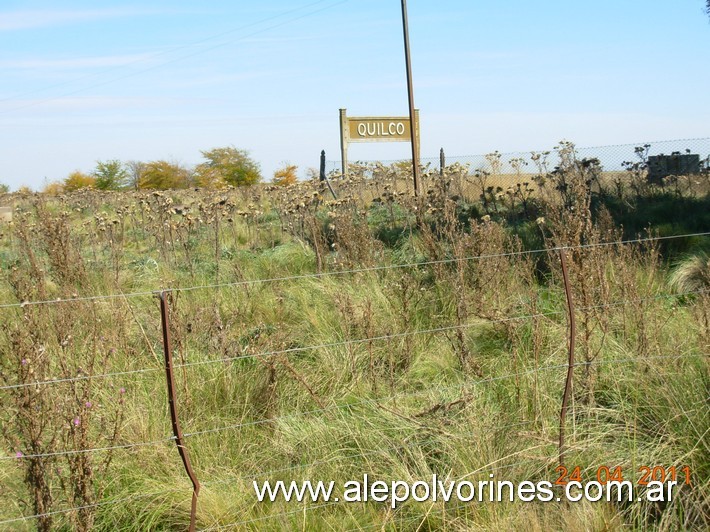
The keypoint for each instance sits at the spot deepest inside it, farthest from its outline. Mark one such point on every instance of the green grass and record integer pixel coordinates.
(281, 382)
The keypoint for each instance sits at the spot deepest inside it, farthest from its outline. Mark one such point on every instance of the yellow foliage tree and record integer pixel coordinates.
(209, 177)
(53, 189)
(78, 180)
(163, 175)
(286, 175)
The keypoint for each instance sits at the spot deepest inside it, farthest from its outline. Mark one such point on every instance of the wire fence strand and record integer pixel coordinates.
(320, 462)
(342, 272)
(370, 401)
(461, 387)
(378, 401)
(77, 508)
(343, 343)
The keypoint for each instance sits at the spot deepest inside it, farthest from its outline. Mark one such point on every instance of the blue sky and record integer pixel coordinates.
(84, 81)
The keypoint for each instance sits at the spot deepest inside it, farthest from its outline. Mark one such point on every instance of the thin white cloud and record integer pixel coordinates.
(215, 80)
(32, 19)
(74, 63)
(280, 39)
(92, 103)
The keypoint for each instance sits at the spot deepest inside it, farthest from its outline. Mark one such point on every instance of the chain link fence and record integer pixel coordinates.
(658, 159)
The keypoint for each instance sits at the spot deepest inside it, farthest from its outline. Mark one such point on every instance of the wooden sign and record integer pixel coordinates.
(384, 129)
(373, 129)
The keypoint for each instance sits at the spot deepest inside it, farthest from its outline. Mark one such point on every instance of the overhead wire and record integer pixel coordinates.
(164, 52)
(161, 65)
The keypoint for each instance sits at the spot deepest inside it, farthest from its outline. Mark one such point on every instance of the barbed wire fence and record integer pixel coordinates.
(455, 390)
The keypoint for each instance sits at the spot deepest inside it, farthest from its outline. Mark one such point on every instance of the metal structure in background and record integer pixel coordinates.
(661, 158)
(410, 91)
(611, 156)
(660, 166)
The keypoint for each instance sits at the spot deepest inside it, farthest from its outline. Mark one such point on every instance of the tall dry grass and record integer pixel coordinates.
(344, 363)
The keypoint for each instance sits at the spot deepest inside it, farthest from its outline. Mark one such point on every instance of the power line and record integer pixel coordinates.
(161, 65)
(164, 52)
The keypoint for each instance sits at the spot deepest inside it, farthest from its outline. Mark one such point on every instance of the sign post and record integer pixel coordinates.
(376, 129)
(410, 92)
(344, 141)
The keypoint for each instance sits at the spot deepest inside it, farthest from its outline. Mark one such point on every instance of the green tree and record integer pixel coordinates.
(229, 166)
(110, 175)
(163, 175)
(4, 189)
(77, 180)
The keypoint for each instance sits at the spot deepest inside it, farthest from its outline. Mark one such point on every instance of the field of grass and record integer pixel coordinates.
(324, 340)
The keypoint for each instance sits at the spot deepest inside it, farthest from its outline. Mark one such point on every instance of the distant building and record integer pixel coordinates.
(660, 166)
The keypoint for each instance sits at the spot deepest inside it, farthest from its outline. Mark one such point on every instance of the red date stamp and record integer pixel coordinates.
(643, 475)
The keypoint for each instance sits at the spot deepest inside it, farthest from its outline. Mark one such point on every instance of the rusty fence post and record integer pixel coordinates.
(570, 357)
(442, 162)
(172, 403)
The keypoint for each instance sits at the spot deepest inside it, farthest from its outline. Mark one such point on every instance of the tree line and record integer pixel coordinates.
(220, 168)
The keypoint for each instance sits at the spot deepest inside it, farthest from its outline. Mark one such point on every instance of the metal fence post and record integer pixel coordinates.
(570, 358)
(323, 177)
(172, 403)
